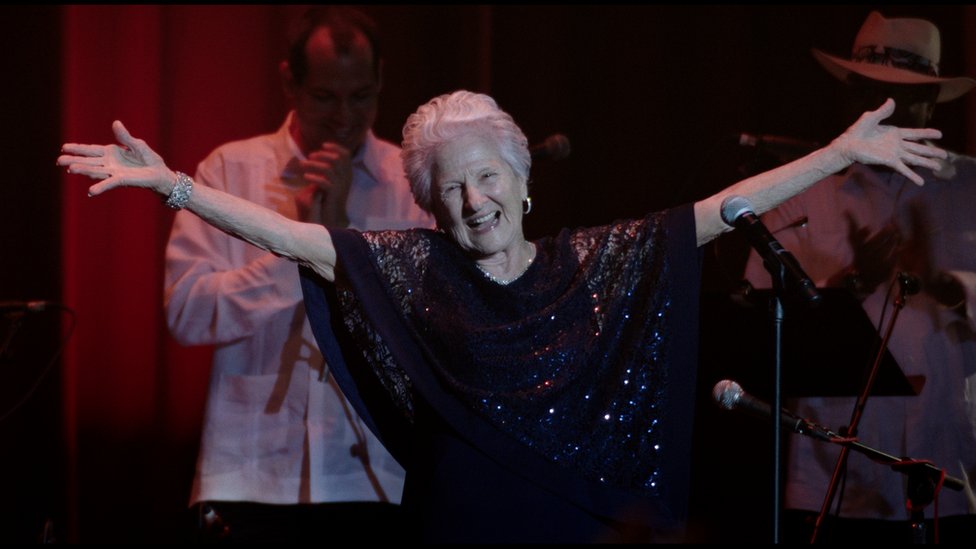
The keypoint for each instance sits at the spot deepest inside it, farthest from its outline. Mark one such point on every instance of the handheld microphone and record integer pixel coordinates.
(731, 396)
(554, 147)
(737, 212)
(784, 148)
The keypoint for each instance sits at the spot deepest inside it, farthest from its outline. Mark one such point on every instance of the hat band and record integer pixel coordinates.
(894, 57)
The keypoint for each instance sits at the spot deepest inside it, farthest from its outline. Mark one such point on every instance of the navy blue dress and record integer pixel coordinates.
(557, 408)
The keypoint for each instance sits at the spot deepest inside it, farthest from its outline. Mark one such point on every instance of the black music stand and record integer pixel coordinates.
(827, 350)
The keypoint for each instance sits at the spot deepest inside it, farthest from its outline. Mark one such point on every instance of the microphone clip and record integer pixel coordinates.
(784, 269)
(908, 284)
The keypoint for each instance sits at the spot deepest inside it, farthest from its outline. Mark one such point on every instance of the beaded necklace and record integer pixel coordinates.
(503, 282)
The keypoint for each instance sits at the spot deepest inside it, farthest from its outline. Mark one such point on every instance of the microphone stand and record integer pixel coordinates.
(906, 287)
(778, 274)
(924, 478)
(776, 309)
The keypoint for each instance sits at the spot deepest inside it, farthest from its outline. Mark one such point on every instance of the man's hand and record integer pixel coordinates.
(328, 176)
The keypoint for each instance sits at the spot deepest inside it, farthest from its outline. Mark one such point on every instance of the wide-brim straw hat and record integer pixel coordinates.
(898, 51)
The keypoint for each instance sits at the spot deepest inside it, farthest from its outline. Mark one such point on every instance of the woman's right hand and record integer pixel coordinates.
(133, 164)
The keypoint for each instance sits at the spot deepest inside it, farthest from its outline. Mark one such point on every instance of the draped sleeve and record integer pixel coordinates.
(579, 375)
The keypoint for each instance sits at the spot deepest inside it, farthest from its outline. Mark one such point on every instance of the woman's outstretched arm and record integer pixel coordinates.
(134, 164)
(867, 141)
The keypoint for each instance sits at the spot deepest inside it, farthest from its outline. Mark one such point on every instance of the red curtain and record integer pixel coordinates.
(185, 79)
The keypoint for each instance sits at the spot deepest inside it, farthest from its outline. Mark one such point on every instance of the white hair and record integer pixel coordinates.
(445, 118)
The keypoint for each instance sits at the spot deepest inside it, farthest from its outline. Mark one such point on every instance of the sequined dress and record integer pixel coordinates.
(556, 408)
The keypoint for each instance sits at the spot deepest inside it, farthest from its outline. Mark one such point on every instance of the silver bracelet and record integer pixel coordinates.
(181, 192)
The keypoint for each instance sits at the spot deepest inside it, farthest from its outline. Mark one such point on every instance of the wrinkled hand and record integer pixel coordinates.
(133, 164)
(328, 176)
(870, 142)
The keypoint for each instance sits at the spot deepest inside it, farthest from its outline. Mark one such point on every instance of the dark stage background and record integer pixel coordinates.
(100, 445)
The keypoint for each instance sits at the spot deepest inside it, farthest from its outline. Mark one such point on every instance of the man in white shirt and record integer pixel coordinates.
(283, 456)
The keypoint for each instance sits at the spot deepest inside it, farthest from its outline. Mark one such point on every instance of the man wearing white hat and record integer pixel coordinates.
(863, 228)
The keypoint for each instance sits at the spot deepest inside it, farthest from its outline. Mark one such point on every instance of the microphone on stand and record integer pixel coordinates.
(782, 147)
(731, 396)
(554, 147)
(737, 212)
(909, 283)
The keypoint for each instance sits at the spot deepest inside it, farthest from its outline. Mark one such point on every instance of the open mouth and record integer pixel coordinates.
(484, 223)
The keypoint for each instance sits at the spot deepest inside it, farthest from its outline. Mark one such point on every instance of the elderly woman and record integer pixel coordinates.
(533, 391)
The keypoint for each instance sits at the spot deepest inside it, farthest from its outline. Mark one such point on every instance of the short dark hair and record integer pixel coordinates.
(343, 22)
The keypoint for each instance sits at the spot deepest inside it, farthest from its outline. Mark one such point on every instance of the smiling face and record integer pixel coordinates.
(337, 100)
(477, 197)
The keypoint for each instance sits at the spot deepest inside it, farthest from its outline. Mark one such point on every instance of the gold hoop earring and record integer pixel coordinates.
(527, 207)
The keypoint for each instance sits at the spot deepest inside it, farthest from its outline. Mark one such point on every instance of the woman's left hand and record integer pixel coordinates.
(869, 142)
